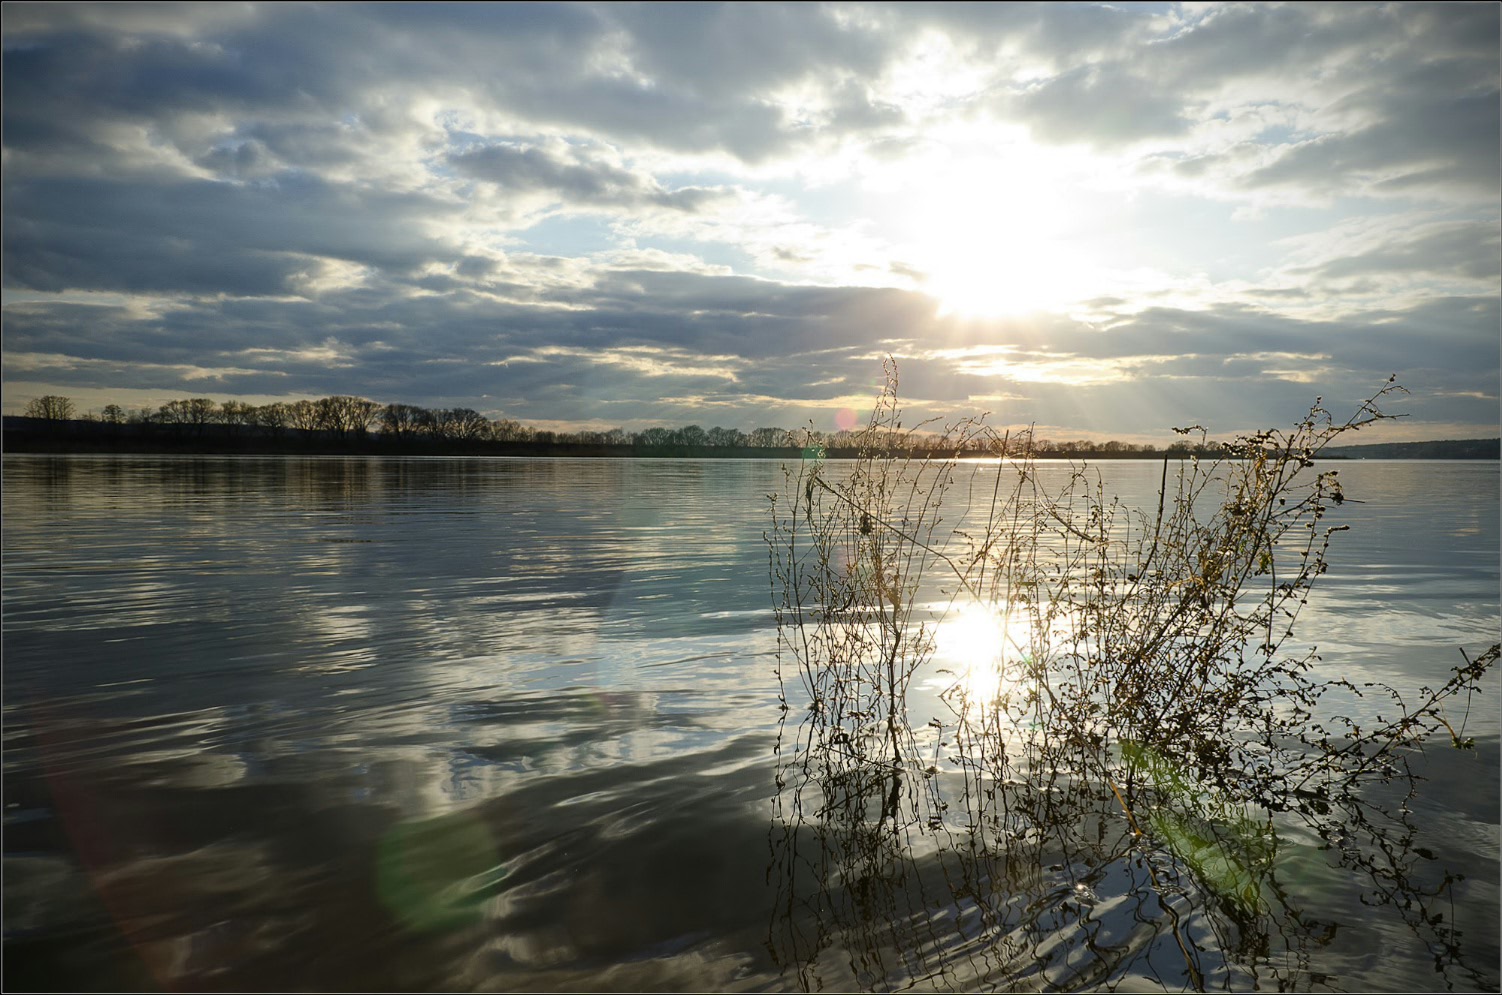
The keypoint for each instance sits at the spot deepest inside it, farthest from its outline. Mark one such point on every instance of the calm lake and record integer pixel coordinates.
(477, 724)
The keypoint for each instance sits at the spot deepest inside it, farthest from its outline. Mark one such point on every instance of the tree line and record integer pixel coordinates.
(347, 418)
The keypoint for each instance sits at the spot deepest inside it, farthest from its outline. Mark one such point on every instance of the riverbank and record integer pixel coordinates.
(38, 435)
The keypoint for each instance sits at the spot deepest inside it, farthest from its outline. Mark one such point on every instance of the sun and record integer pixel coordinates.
(978, 279)
(991, 235)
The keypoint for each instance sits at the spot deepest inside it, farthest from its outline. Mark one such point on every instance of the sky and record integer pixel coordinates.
(1103, 220)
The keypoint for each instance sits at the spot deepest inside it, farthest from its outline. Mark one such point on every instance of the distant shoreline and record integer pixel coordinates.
(35, 435)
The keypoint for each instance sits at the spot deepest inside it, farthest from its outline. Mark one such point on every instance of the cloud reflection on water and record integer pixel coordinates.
(236, 678)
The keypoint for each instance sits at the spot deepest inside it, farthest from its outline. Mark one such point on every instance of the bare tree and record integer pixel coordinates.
(730, 437)
(194, 412)
(692, 435)
(462, 424)
(510, 430)
(766, 438)
(302, 414)
(346, 415)
(52, 407)
(236, 413)
(174, 413)
(201, 411)
(272, 417)
(399, 421)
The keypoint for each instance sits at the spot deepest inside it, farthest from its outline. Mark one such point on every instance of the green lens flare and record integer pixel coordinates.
(435, 874)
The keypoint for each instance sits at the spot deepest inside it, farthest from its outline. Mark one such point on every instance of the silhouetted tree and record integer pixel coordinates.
(726, 437)
(462, 424)
(235, 414)
(346, 415)
(192, 412)
(302, 414)
(400, 421)
(52, 407)
(691, 435)
(510, 430)
(201, 411)
(173, 413)
(273, 418)
(767, 438)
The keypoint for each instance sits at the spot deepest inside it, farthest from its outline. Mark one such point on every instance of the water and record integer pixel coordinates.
(510, 724)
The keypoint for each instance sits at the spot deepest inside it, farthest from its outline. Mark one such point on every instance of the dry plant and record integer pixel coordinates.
(1149, 725)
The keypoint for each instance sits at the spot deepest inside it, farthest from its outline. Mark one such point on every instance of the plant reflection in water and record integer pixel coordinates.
(1133, 774)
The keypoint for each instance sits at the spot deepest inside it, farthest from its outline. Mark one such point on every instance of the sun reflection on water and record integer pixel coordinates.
(982, 649)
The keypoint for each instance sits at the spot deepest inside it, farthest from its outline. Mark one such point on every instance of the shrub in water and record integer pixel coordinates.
(1137, 718)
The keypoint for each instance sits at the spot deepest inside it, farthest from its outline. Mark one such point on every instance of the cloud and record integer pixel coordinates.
(1470, 250)
(639, 337)
(622, 212)
(1101, 105)
(205, 237)
(1385, 101)
(572, 179)
(1426, 141)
